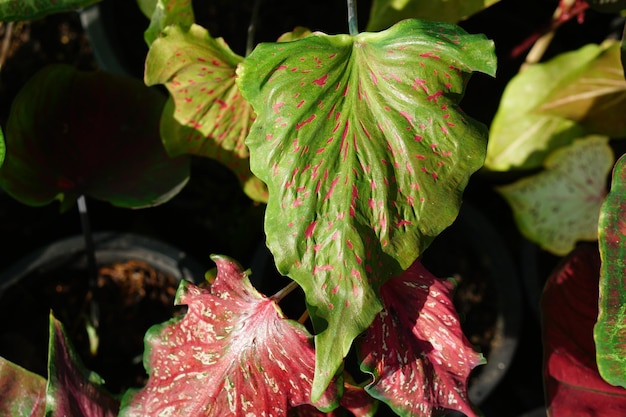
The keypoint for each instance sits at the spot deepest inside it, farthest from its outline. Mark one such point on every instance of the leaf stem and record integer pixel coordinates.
(353, 25)
(252, 27)
(285, 291)
(90, 251)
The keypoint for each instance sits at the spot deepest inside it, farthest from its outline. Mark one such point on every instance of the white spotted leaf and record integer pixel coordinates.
(232, 354)
(415, 349)
(561, 205)
(366, 153)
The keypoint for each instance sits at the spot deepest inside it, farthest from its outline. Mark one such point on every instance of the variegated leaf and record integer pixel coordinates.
(163, 13)
(232, 354)
(22, 393)
(366, 153)
(72, 390)
(206, 116)
(416, 350)
(561, 205)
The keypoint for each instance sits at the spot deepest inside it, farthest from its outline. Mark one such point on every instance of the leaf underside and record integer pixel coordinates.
(232, 354)
(71, 133)
(206, 114)
(561, 205)
(569, 310)
(521, 135)
(610, 330)
(416, 350)
(365, 153)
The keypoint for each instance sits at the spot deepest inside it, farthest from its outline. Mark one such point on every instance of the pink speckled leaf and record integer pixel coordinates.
(163, 13)
(416, 350)
(232, 354)
(206, 115)
(366, 153)
(72, 390)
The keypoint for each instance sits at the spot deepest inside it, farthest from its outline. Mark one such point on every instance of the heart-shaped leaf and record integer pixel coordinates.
(71, 133)
(366, 153)
(163, 13)
(521, 136)
(416, 350)
(610, 330)
(594, 96)
(561, 205)
(385, 13)
(233, 353)
(207, 115)
(35, 9)
(72, 390)
(22, 393)
(569, 311)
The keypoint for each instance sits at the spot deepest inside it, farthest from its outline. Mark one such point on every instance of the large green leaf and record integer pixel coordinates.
(71, 133)
(385, 13)
(34, 9)
(610, 330)
(595, 96)
(207, 116)
(365, 153)
(561, 205)
(521, 136)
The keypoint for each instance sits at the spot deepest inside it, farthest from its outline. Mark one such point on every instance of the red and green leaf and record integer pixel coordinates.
(569, 310)
(560, 206)
(22, 393)
(34, 9)
(206, 115)
(416, 350)
(610, 331)
(72, 390)
(71, 133)
(366, 153)
(233, 353)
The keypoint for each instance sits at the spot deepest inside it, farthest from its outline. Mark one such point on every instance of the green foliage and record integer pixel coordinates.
(521, 135)
(610, 330)
(164, 13)
(561, 205)
(366, 160)
(35, 9)
(22, 393)
(72, 133)
(384, 13)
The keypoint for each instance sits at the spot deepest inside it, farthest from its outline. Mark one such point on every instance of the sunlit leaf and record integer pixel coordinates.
(72, 390)
(35, 9)
(416, 350)
(595, 96)
(520, 135)
(71, 133)
(233, 353)
(22, 393)
(561, 205)
(366, 153)
(163, 13)
(569, 310)
(384, 13)
(207, 116)
(610, 331)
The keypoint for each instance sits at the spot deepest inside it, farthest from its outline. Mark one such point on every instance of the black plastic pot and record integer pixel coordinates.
(41, 281)
(486, 247)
